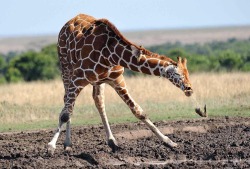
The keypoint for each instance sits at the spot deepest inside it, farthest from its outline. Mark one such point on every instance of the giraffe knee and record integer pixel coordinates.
(65, 117)
(138, 112)
(141, 116)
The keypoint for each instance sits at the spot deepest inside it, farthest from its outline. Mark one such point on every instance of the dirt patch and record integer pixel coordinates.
(137, 134)
(204, 143)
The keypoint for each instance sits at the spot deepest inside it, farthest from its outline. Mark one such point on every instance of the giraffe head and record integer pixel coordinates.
(178, 75)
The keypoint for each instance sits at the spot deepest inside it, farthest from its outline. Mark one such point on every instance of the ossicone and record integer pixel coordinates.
(182, 60)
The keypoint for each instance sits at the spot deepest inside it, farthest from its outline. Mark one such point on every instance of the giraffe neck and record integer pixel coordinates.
(152, 64)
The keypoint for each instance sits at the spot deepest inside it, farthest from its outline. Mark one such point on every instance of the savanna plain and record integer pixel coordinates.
(29, 115)
(37, 105)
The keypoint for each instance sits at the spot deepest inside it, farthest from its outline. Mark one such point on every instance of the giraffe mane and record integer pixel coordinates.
(155, 55)
(144, 50)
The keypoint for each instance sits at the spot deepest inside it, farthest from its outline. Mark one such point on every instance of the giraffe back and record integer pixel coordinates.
(71, 34)
(88, 43)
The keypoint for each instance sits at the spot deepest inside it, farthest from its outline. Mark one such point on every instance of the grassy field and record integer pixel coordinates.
(36, 105)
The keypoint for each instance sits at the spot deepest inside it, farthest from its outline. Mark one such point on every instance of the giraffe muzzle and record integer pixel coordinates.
(188, 91)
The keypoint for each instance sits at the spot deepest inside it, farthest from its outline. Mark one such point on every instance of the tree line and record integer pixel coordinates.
(232, 55)
(30, 65)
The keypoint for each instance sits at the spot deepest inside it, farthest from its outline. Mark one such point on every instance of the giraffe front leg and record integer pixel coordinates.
(120, 86)
(157, 132)
(138, 112)
(52, 143)
(98, 96)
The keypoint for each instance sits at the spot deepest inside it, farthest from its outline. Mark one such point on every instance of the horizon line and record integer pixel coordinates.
(135, 30)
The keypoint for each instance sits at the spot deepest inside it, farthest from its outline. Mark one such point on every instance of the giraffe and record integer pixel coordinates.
(93, 51)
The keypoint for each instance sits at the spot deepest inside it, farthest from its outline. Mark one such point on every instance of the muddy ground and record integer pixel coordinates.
(203, 143)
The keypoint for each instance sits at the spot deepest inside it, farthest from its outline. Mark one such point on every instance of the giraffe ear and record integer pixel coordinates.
(135, 51)
(178, 59)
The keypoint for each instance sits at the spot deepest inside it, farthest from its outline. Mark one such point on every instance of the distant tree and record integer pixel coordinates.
(230, 60)
(2, 64)
(13, 75)
(230, 55)
(214, 64)
(32, 66)
(10, 55)
(246, 63)
(198, 63)
(174, 53)
(2, 69)
(51, 50)
(245, 67)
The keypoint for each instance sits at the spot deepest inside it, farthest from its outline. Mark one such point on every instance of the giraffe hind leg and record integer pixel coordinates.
(63, 117)
(76, 84)
(67, 74)
(98, 96)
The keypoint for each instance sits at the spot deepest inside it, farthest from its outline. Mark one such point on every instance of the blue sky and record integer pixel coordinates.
(44, 17)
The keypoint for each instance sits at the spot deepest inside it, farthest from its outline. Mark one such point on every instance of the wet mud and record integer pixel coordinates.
(203, 143)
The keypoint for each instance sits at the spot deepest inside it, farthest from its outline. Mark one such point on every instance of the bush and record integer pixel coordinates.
(2, 70)
(13, 75)
(174, 53)
(198, 63)
(32, 66)
(232, 55)
(51, 51)
(246, 62)
(230, 60)
(246, 67)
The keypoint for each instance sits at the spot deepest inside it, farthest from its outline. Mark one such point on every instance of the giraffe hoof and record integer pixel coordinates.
(68, 150)
(51, 149)
(112, 143)
(67, 147)
(171, 144)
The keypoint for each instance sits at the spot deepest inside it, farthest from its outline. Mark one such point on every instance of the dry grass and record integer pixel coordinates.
(42, 101)
(206, 86)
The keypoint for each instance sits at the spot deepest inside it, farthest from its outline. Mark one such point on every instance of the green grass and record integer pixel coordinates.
(117, 113)
(26, 106)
